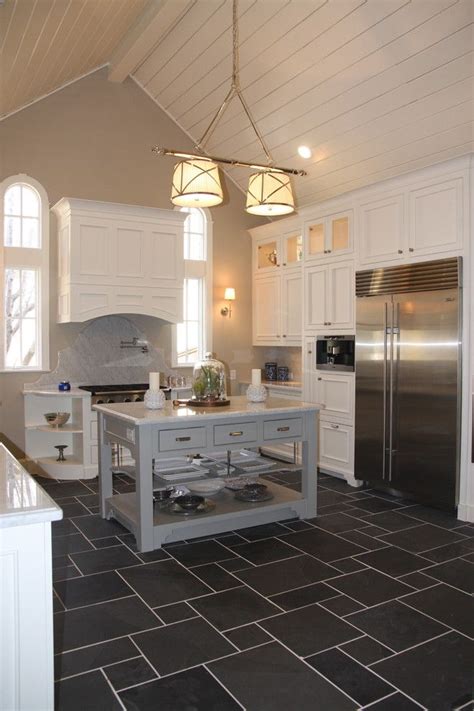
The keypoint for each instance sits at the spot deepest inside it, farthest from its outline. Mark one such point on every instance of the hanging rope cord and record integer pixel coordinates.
(234, 91)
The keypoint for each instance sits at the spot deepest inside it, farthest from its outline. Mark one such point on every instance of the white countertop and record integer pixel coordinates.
(73, 392)
(138, 414)
(22, 500)
(291, 385)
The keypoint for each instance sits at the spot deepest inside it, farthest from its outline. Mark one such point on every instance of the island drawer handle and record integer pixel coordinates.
(183, 439)
(283, 429)
(235, 434)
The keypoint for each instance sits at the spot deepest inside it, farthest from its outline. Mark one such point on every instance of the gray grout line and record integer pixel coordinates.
(142, 654)
(104, 666)
(413, 646)
(107, 681)
(222, 684)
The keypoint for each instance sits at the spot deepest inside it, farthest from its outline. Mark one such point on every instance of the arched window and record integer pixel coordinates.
(24, 275)
(192, 337)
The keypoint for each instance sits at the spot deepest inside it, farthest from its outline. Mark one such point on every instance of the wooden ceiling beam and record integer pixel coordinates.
(159, 18)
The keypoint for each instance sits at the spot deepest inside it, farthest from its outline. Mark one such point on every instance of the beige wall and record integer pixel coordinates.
(93, 140)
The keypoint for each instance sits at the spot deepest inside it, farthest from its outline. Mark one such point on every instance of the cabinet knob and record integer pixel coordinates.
(284, 335)
(319, 378)
(400, 251)
(329, 251)
(329, 323)
(410, 249)
(310, 352)
(284, 264)
(335, 427)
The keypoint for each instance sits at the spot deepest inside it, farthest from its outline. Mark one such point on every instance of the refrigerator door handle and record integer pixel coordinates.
(386, 331)
(394, 363)
(390, 435)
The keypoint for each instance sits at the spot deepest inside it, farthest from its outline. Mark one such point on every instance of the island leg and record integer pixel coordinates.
(144, 489)
(310, 463)
(105, 467)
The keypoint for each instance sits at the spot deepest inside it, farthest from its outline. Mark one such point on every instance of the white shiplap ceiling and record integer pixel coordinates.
(375, 87)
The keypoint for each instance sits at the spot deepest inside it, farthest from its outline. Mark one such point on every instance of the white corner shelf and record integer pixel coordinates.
(71, 468)
(70, 429)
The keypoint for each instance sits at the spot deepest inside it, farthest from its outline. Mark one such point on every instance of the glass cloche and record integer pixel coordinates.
(209, 380)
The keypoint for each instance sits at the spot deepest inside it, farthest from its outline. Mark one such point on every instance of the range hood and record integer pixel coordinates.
(118, 259)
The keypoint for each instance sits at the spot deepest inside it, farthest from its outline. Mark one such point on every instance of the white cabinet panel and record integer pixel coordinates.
(382, 230)
(329, 236)
(266, 310)
(336, 447)
(93, 250)
(316, 295)
(291, 307)
(165, 257)
(436, 222)
(342, 296)
(129, 253)
(336, 393)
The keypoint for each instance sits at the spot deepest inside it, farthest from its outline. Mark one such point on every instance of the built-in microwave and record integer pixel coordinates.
(335, 353)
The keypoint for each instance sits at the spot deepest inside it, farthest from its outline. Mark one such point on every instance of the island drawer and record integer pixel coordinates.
(173, 440)
(282, 429)
(235, 433)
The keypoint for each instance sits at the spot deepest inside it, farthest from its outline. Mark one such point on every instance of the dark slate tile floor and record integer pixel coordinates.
(367, 606)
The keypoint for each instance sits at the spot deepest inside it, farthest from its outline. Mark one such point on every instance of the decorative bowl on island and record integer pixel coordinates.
(57, 419)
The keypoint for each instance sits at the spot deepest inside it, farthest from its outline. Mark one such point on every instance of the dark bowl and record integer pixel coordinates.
(255, 488)
(189, 502)
(162, 494)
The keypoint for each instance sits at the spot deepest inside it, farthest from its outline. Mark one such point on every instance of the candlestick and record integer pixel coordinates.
(256, 376)
(154, 381)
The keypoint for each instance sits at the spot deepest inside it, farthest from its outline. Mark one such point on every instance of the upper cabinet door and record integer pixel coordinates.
(291, 307)
(382, 226)
(267, 255)
(436, 218)
(292, 248)
(266, 310)
(329, 236)
(341, 296)
(316, 295)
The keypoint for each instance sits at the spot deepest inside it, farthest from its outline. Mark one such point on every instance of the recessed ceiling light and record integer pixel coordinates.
(305, 152)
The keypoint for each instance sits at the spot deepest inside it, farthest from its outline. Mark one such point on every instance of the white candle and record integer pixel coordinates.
(256, 376)
(154, 381)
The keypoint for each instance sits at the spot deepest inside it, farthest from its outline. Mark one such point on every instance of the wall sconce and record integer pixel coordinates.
(229, 295)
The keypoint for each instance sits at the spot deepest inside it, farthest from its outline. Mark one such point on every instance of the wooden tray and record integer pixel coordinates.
(200, 403)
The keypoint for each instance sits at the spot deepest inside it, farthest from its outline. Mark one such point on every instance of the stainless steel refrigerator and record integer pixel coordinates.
(408, 379)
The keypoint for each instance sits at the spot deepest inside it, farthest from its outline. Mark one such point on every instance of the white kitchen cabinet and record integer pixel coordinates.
(436, 217)
(329, 297)
(277, 246)
(335, 392)
(116, 258)
(328, 236)
(382, 230)
(417, 223)
(76, 434)
(336, 447)
(277, 307)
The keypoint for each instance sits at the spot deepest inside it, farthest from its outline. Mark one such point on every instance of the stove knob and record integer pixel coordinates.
(127, 399)
(138, 398)
(110, 399)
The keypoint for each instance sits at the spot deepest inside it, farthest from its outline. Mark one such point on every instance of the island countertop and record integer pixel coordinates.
(136, 413)
(22, 500)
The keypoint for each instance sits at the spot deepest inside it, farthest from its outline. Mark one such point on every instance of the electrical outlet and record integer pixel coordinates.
(233, 375)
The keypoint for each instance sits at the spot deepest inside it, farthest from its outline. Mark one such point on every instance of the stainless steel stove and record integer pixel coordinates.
(103, 394)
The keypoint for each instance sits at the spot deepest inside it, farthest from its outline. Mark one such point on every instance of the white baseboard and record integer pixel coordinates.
(466, 512)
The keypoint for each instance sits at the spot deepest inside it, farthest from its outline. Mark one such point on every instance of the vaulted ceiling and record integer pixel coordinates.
(374, 87)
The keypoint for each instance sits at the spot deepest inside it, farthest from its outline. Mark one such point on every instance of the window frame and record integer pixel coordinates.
(35, 258)
(199, 269)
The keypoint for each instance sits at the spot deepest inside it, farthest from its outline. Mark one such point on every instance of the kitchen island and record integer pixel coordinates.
(160, 434)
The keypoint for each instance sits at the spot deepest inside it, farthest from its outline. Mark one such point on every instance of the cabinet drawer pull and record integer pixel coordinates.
(335, 427)
(236, 434)
(283, 429)
(183, 439)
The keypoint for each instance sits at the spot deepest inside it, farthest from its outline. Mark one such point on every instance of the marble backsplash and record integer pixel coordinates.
(96, 358)
(283, 355)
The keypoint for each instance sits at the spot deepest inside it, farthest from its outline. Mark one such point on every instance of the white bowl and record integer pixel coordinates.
(208, 486)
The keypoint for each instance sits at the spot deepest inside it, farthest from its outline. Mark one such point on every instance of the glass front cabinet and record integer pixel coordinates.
(281, 251)
(329, 236)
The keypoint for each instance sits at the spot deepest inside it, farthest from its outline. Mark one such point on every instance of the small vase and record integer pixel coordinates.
(256, 393)
(154, 399)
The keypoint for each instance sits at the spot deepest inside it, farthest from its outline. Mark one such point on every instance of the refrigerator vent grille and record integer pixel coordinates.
(424, 276)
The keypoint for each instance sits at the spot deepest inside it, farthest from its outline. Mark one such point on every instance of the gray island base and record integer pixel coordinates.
(170, 432)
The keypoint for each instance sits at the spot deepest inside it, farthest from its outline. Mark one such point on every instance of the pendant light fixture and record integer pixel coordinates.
(196, 181)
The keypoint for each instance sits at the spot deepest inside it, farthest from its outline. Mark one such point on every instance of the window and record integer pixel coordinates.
(192, 337)
(24, 257)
